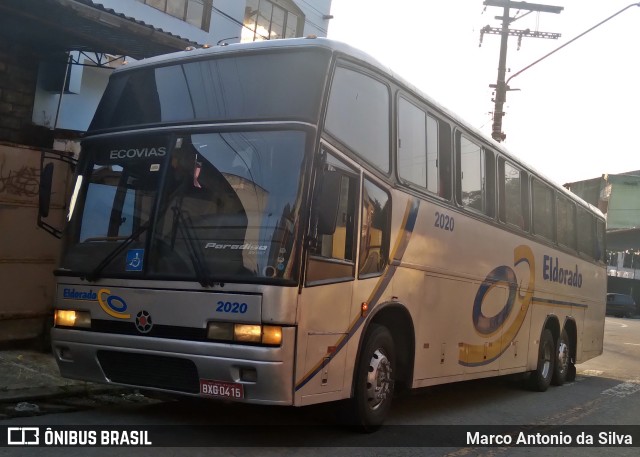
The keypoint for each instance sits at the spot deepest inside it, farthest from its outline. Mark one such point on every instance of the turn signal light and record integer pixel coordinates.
(270, 335)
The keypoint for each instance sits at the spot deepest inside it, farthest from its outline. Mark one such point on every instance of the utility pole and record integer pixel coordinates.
(501, 87)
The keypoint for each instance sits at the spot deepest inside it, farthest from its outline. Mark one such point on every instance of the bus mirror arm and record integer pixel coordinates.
(327, 202)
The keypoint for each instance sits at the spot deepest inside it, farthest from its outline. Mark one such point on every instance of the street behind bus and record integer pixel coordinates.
(606, 392)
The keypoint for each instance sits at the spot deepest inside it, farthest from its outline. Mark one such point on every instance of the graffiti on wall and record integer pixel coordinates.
(23, 182)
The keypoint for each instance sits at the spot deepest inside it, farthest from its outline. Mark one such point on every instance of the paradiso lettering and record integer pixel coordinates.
(554, 273)
(137, 153)
(242, 247)
(489, 326)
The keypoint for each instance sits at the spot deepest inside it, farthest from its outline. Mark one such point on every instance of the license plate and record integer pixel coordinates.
(221, 389)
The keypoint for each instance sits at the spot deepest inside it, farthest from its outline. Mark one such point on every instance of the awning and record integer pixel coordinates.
(82, 25)
(624, 239)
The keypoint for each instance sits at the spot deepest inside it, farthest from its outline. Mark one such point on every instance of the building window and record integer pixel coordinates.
(194, 12)
(271, 19)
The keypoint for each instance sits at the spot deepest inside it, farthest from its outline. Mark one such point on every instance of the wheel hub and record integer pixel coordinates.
(546, 359)
(379, 379)
(563, 356)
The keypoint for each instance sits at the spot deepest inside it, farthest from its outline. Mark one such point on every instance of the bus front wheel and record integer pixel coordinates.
(540, 378)
(374, 380)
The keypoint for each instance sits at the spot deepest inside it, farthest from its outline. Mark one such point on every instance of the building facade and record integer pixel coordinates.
(201, 22)
(618, 197)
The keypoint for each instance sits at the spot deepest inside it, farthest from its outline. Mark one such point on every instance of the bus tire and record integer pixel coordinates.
(563, 360)
(540, 378)
(374, 380)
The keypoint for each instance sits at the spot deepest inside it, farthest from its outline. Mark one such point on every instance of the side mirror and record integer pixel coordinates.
(46, 181)
(46, 186)
(327, 201)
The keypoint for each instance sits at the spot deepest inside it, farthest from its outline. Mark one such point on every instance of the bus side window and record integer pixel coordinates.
(600, 240)
(476, 176)
(565, 222)
(444, 160)
(332, 253)
(510, 193)
(374, 235)
(543, 215)
(419, 156)
(586, 233)
(358, 115)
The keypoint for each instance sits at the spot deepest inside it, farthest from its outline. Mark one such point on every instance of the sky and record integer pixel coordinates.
(576, 113)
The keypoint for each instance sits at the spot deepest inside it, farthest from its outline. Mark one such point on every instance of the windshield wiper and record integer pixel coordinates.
(95, 274)
(183, 221)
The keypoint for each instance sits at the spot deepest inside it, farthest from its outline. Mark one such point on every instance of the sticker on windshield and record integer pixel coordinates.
(134, 260)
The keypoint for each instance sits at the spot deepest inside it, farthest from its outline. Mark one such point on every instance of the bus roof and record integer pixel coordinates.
(342, 48)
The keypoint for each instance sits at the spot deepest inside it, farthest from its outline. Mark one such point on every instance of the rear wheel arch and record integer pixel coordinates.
(553, 324)
(571, 328)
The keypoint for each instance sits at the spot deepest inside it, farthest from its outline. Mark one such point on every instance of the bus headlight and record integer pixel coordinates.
(247, 333)
(270, 335)
(220, 331)
(71, 318)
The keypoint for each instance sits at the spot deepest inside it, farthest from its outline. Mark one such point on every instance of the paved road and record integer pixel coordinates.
(606, 393)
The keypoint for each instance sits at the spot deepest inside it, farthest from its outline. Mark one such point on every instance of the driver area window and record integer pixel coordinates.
(332, 251)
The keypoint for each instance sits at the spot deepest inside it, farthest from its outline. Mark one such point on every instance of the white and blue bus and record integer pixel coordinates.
(288, 223)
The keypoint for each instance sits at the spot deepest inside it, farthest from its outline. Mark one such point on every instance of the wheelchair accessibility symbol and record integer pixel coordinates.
(134, 260)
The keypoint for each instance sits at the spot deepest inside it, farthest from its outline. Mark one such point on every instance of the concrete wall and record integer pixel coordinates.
(28, 255)
(624, 203)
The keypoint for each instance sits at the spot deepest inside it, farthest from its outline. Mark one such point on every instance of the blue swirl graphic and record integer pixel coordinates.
(487, 325)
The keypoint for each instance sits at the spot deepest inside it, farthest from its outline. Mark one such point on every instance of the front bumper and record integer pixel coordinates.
(177, 366)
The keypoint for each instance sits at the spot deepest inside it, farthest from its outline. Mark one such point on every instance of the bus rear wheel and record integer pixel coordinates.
(374, 380)
(563, 360)
(540, 378)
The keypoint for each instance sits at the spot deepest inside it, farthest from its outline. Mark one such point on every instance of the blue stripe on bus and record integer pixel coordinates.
(545, 301)
(409, 222)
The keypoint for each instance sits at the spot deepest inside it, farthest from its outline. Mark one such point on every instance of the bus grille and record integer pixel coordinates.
(144, 370)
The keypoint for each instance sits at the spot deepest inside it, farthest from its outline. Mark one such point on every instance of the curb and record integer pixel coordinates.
(48, 392)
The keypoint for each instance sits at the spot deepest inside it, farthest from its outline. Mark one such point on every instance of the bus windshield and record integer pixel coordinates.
(201, 206)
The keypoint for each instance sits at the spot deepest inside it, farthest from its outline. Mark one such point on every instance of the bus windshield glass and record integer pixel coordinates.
(273, 85)
(205, 206)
